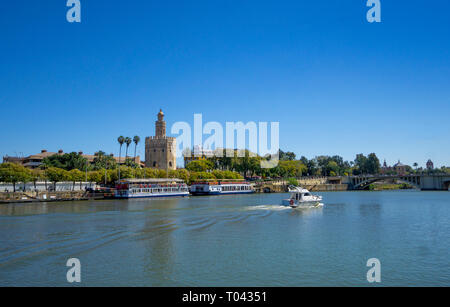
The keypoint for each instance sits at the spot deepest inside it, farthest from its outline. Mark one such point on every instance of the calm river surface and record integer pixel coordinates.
(246, 240)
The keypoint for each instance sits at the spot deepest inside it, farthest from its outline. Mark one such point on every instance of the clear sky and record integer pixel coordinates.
(336, 83)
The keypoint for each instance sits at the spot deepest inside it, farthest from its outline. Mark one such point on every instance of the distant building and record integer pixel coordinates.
(430, 165)
(385, 169)
(400, 168)
(35, 161)
(32, 161)
(197, 153)
(161, 150)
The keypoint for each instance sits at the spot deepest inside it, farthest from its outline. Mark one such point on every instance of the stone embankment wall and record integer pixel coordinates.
(312, 181)
(39, 196)
(327, 187)
(315, 184)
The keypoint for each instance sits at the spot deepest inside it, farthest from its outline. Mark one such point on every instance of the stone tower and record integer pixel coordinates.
(160, 150)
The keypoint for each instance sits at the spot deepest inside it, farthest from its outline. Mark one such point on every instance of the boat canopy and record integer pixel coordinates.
(151, 180)
(298, 190)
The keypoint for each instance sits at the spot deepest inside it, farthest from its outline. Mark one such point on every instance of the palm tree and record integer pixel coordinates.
(127, 142)
(121, 140)
(136, 141)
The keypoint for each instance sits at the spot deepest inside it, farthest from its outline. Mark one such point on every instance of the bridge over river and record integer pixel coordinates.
(438, 182)
(420, 181)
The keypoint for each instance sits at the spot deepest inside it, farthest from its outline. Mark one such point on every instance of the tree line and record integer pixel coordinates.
(248, 165)
(15, 173)
(73, 167)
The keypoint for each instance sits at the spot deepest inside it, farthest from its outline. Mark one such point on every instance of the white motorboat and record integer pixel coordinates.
(302, 198)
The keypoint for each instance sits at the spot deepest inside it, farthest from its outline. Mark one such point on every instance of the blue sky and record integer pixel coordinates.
(336, 83)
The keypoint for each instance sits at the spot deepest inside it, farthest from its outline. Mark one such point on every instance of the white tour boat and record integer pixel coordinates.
(157, 187)
(302, 198)
(221, 187)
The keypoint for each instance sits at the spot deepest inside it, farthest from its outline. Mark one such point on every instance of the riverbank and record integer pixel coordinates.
(44, 196)
(37, 197)
(389, 186)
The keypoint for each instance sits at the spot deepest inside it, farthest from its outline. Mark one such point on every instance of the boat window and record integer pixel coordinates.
(307, 194)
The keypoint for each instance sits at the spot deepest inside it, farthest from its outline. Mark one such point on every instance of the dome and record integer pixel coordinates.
(160, 115)
(399, 164)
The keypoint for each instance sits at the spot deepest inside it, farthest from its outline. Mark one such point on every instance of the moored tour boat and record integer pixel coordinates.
(302, 198)
(221, 187)
(141, 188)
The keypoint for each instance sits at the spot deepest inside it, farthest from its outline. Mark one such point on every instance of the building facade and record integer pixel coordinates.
(400, 168)
(198, 153)
(160, 150)
(35, 161)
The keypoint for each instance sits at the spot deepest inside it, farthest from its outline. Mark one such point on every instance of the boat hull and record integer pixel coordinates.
(221, 193)
(144, 195)
(302, 204)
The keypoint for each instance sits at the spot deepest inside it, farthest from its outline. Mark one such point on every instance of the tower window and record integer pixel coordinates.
(170, 163)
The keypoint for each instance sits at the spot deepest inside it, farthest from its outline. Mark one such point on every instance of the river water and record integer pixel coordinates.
(243, 240)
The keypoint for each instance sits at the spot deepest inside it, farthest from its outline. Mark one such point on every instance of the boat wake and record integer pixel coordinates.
(320, 205)
(280, 207)
(267, 207)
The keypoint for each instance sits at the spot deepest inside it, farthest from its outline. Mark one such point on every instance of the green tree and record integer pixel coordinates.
(127, 172)
(75, 175)
(292, 181)
(102, 161)
(150, 173)
(55, 175)
(68, 161)
(14, 173)
(373, 164)
(286, 156)
(360, 164)
(136, 141)
(127, 142)
(332, 168)
(95, 176)
(37, 175)
(181, 174)
(199, 166)
(130, 163)
(120, 140)
(161, 173)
